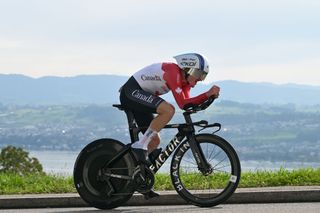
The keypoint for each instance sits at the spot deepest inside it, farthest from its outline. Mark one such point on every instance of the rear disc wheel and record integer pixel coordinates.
(105, 192)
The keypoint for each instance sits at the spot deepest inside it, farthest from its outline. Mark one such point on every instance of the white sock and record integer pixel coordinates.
(145, 139)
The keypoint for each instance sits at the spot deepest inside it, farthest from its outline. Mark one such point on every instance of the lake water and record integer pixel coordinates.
(62, 162)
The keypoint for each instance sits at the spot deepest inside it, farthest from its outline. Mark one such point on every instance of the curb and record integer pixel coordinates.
(242, 195)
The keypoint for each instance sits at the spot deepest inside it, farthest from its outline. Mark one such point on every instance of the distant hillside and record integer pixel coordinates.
(19, 89)
(259, 93)
(99, 89)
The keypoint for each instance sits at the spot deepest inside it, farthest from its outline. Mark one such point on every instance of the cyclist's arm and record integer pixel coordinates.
(181, 95)
(194, 100)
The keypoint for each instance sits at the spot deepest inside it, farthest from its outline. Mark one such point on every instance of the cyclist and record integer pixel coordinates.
(141, 95)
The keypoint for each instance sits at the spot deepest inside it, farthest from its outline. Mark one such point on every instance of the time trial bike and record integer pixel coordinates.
(205, 169)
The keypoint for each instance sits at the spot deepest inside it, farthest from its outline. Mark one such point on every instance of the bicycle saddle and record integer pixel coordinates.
(119, 106)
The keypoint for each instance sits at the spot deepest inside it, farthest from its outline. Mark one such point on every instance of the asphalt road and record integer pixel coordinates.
(229, 208)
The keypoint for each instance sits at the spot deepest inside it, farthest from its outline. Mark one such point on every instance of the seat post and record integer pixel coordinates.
(133, 127)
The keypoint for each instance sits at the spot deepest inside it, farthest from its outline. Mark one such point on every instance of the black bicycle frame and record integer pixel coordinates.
(184, 130)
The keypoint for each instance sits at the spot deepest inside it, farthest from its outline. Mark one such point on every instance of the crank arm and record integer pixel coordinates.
(124, 177)
(121, 194)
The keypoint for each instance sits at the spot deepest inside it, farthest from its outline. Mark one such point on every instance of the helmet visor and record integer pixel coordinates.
(197, 73)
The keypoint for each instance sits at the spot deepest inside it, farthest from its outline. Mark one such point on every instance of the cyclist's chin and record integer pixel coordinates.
(192, 84)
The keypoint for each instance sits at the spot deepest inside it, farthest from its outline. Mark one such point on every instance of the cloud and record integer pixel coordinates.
(89, 37)
(9, 43)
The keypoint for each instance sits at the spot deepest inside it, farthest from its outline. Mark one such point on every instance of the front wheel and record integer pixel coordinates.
(212, 188)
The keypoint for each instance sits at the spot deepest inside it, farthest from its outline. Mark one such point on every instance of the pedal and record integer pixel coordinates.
(151, 194)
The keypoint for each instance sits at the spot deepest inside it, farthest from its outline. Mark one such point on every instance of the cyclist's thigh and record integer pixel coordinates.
(140, 100)
(142, 103)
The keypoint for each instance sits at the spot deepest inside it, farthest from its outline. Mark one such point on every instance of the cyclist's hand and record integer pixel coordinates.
(214, 91)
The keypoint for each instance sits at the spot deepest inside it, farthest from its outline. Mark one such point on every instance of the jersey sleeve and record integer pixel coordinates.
(181, 94)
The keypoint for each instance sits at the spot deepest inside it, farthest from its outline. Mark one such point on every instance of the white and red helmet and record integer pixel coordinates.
(193, 64)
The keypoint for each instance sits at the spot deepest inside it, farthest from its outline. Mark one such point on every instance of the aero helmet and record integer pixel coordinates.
(193, 64)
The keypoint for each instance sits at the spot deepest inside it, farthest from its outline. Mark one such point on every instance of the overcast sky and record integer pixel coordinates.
(274, 41)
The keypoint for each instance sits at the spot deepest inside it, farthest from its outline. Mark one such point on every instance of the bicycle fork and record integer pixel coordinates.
(203, 165)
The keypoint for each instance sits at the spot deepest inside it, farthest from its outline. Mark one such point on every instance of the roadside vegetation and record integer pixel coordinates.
(11, 183)
(281, 177)
(20, 174)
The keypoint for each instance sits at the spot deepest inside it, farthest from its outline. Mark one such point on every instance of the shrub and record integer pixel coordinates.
(16, 160)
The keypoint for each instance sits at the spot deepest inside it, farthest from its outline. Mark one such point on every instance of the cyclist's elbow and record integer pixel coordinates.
(181, 105)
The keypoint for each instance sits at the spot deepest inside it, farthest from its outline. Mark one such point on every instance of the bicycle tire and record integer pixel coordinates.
(209, 193)
(89, 161)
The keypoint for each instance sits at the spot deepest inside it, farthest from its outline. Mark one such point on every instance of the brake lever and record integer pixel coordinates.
(201, 123)
(218, 125)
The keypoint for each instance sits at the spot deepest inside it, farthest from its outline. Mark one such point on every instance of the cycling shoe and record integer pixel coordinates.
(141, 156)
(151, 194)
(154, 155)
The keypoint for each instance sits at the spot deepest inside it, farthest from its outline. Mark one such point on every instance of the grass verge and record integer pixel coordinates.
(35, 184)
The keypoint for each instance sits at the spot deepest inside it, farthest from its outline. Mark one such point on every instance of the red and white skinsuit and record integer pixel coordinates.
(160, 78)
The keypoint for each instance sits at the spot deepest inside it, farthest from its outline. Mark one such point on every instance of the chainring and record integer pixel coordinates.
(143, 183)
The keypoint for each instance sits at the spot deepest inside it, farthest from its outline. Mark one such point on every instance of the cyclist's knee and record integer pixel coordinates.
(166, 108)
(172, 109)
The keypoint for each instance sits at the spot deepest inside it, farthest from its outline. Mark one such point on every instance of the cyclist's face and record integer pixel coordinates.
(192, 80)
